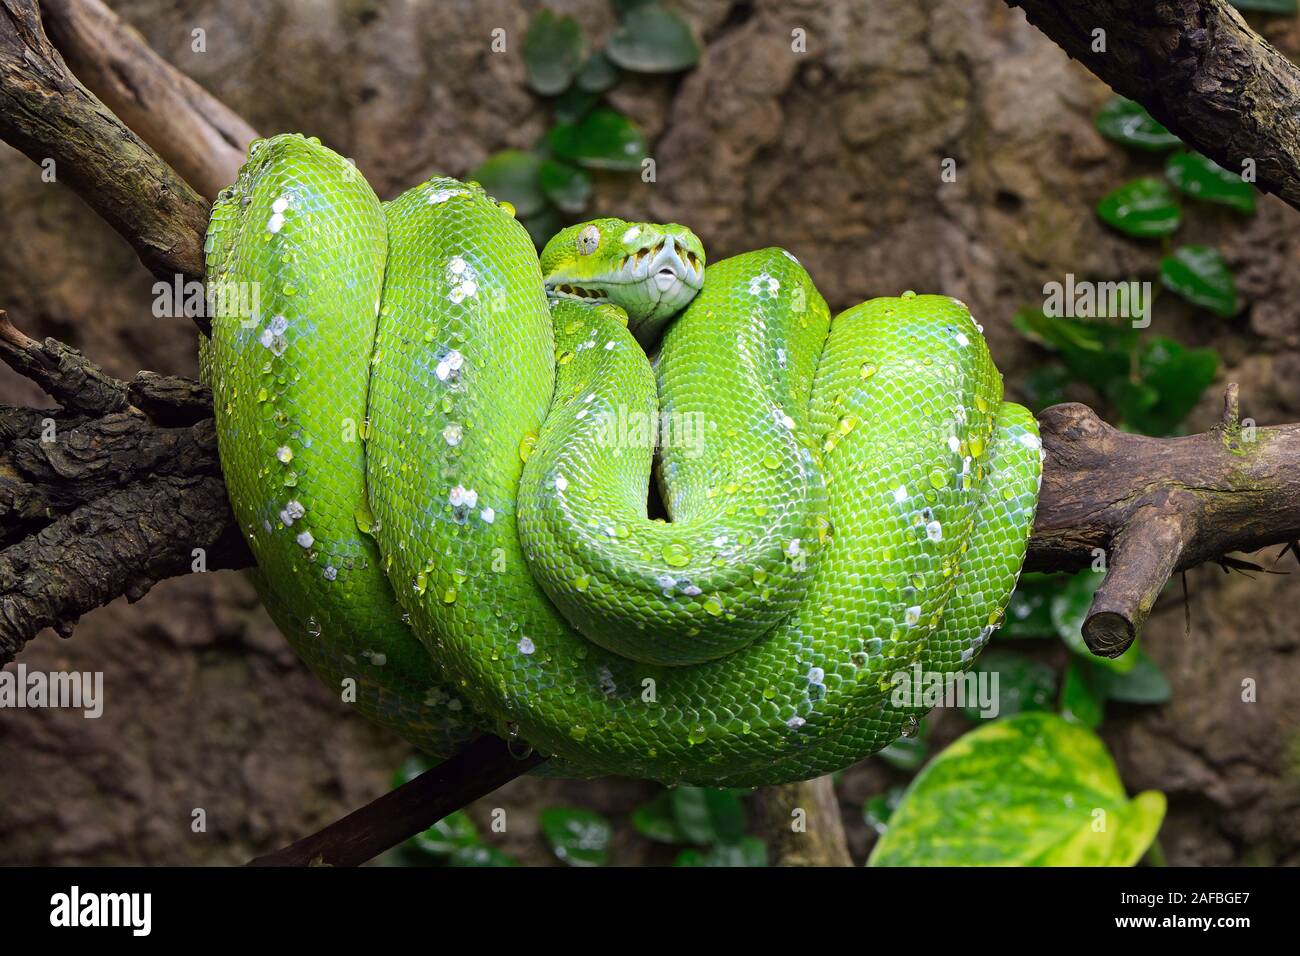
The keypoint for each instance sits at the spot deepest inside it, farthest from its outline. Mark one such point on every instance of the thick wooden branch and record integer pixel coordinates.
(50, 116)
(1198, 68)
(203, 139)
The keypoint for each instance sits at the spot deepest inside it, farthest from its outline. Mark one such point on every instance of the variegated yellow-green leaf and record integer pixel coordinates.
(1029, 790)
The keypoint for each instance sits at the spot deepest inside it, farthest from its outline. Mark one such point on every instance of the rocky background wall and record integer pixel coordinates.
(834, 154)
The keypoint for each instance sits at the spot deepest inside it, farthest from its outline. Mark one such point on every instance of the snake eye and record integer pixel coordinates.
(588, 240)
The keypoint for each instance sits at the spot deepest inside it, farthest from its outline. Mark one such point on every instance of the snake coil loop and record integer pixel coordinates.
(443, 478)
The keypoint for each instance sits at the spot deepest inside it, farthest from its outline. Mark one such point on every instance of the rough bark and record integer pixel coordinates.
(1199, 69)
(49, 115)
(198, 135)
(803, 823)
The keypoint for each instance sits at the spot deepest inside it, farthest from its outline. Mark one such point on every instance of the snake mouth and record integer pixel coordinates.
(664, 265)
(577, 293)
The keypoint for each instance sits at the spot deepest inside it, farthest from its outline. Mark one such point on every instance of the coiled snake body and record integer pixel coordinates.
(439, 450)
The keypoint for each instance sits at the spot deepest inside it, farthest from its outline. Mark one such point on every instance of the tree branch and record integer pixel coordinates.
(474, 772)
(1198, 68)
(203, 139)
(48, 115)
(803, 823)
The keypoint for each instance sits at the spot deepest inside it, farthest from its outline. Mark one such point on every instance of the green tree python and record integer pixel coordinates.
(440, 448)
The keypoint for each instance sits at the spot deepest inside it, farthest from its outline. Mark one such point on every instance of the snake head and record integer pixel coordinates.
(650, 270)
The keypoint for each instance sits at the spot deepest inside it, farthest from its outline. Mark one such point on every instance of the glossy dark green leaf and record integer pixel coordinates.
(604, 139)
(597, 74)
(1031, 790)
(1129, 123)
(1029, 612)
(748, 851)
(573, 104)
(907, 753)
(1082, 699)
(453, 832)
(480, 855)
(411, 768)
(655, 820)
(1022, 684)
(552, 52)
(567, 186)
(1266, 6)
(653, 39)
(1069, 610)
(1145, 208)
(1044, 386)
(1144, 684)
(1178, 377)
(512, 176)
(705, 815)
(1095, 351)
(577, 837)
(623, 7)
(877, 811)
(1199, 275)
(1202, 178)
(544, 225)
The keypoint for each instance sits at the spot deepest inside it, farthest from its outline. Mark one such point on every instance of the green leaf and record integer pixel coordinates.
(907, 753)
(1023, 684)
(411, 768)
(1177, 377)
(604, 139)
(597, 74)
(653, 39)
(1082, 699)
(480, 855)
(623, 7)
(453, 832)
(1029, 612)
(552, 52)
(1144, 684)
(655, 820)
(749, 851)
(1032, 790)
(1097, 352)
(1199, 275)
(573, 104)
(1266, 6)
(543, 226)
(1069, 609)
(1044, 386)
(1145, 208)
(705, 815)
(877, 811)
(1129, 123)
(567, 186)
(1202, 178)
(577, 837)
(512, 175)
